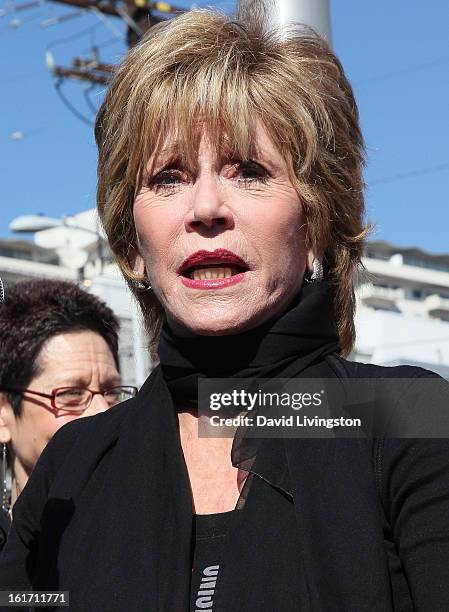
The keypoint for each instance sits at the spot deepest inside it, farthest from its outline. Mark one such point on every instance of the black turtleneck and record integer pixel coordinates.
(304, 333)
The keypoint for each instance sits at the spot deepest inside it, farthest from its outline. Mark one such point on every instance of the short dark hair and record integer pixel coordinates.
(35, 311)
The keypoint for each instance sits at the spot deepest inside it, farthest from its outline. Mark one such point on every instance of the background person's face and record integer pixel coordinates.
(81, 359)
(250, 209)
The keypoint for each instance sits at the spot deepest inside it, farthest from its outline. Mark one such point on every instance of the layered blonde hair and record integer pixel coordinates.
(231, 72)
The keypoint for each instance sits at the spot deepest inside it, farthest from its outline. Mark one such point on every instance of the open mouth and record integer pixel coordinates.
(212, 271)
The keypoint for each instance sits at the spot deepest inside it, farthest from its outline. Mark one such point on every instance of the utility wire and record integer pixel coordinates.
(52, 21)
(12, 9)
(86, 93)
(394, 74)
(128, 20)
(16, 23)
(101, 45)
(406, 175)
(67, 39)
(105, 21)
(70, 106)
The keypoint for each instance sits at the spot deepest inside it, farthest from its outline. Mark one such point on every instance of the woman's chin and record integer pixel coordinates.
(226, 325)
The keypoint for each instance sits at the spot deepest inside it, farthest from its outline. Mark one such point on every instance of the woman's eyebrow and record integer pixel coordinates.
(163, 157)
(81, 381)
(112, 382)
(254, 152)
(171, 156)
(70, 381)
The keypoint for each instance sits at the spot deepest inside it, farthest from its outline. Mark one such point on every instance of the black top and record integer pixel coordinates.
(209, 534)
(5, 524)
(341, 525)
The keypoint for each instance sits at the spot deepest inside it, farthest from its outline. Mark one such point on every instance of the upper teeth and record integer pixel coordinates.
(207, 273)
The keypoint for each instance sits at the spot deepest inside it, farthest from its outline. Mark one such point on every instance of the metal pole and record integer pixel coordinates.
(139, 347)
(313, 13)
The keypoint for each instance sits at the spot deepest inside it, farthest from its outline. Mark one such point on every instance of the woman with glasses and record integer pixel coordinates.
(58, 362)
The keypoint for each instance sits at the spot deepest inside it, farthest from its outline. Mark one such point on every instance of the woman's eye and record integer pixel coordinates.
(251, 172)
(246, 173)
(167, 179)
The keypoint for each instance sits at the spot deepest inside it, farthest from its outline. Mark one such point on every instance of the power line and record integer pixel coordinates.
(406, 175)
(106, 22)
(394, 74)
(86, 93)
(52, 21)
(66, 39)
(17, 23)
(70, 106)
(16, 8)
(101, 45)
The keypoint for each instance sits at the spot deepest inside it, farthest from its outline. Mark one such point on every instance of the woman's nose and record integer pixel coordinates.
(208, 207)
(98, 404)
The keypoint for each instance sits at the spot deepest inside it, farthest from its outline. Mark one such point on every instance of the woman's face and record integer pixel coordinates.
(80, 359)
(222, 246)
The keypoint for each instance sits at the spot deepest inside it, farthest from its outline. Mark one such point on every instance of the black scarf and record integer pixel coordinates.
(305, 333)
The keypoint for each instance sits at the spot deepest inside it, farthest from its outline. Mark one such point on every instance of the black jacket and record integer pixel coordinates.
(345, 525)
(5, 524)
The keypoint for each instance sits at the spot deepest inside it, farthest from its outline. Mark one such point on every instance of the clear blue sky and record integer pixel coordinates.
(395, 54)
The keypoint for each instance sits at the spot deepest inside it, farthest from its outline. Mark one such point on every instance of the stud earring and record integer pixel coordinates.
(317, 272)
(142, 285)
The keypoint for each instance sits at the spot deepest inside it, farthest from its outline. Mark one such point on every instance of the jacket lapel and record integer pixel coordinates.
(331, 484)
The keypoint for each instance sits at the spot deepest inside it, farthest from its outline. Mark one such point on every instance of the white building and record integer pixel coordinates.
(74, 255)
(403, 308)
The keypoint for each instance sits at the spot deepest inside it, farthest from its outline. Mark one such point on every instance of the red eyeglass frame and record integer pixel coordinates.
(52, 397)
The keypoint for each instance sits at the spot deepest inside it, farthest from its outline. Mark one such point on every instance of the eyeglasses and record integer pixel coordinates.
(78, 399)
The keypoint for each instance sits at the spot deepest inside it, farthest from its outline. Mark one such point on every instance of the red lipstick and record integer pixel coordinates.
(204, 259)
(219, 256)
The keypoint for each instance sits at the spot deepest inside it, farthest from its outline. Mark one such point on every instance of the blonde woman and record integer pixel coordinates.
(230, 187)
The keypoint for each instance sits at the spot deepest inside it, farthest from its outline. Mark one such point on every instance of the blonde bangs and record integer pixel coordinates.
(179, 114)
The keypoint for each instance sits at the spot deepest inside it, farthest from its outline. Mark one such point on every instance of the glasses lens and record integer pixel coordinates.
(119, 394)
(72, 398)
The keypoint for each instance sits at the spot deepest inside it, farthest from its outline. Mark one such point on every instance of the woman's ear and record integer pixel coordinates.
(309, 261)
(6, 414)
(311, 256)
(139, 266)
(137, 263)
